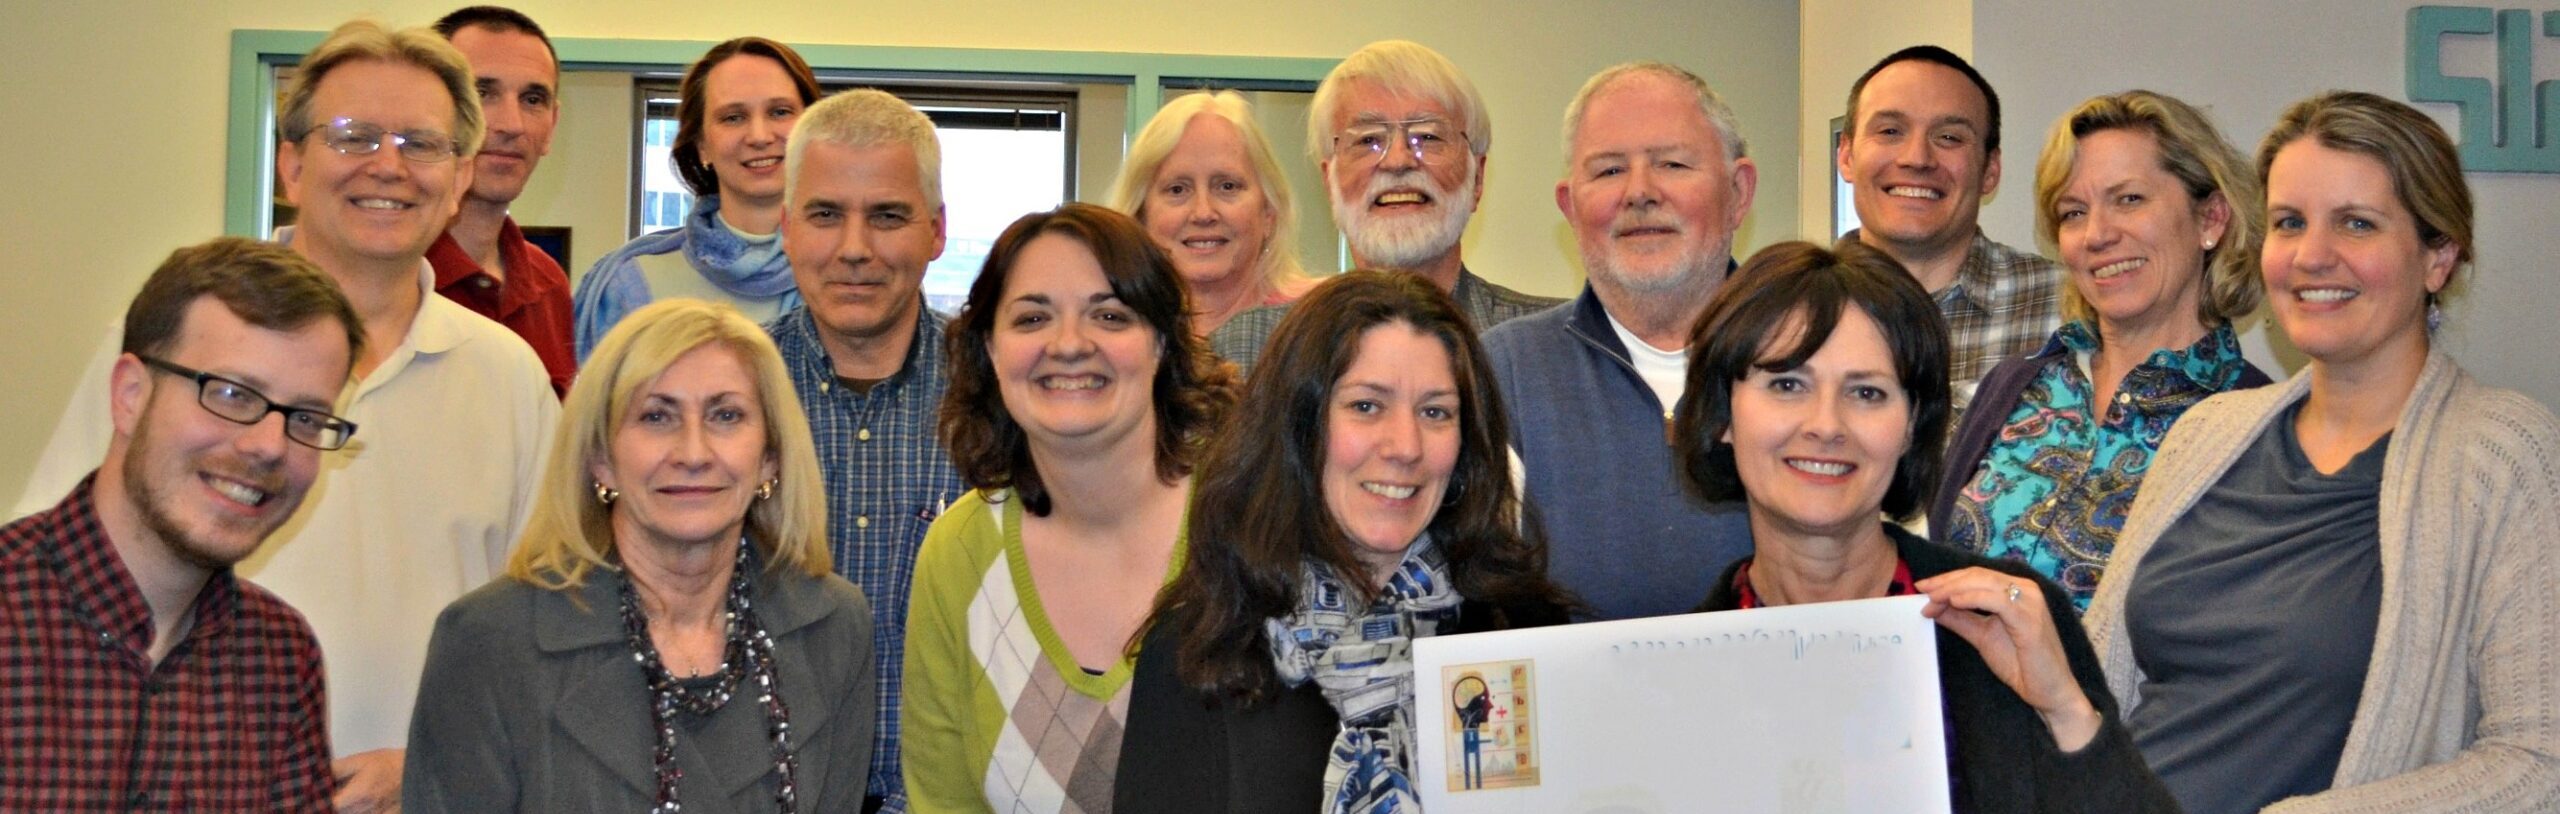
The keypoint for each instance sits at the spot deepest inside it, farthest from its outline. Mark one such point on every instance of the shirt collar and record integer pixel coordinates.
(1979, 279)
(520, 288)
(94, 574)
(924, 352)
(2213, 362)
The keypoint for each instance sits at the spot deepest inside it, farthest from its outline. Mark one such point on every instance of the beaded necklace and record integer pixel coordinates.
(749, 656)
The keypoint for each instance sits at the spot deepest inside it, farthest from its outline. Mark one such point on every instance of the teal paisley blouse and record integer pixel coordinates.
(2054, 488)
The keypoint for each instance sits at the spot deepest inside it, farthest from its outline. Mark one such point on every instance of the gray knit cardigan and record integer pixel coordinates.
(2461, 704)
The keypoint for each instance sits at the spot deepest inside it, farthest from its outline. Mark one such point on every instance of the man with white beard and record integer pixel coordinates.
(1401, 136)
(1655, 185)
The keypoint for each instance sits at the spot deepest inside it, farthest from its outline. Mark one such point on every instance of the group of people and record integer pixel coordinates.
(1152, 522)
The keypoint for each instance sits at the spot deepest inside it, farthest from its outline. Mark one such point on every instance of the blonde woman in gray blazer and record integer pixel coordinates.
(669, 630)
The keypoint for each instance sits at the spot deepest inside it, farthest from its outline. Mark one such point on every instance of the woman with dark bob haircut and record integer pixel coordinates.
(734, 113)
(1362, 504)
(1079, 396)
(1818, 397)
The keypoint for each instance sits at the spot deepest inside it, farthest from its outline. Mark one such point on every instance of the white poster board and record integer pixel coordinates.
(1804, 709)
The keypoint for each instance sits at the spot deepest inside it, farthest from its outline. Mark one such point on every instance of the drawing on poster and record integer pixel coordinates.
(1493, 727)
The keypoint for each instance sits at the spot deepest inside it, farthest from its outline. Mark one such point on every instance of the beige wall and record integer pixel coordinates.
(119, 106)
(2243, 63)
(586, 182)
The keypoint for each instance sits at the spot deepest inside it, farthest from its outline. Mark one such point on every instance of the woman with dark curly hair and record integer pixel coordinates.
(1079, 396)
(1363, 504)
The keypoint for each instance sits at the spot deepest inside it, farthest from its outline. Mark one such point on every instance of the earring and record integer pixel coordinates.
(764, 491)
(1457, 489)
(606, 494)
(2208, 245)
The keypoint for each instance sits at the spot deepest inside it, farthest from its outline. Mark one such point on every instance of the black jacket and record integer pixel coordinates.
(1186, 754)
(2008, 759)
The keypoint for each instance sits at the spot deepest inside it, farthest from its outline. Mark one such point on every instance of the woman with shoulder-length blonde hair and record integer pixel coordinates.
(2155, 218)
(2339, 593)
(669, 631)
(1203, 180)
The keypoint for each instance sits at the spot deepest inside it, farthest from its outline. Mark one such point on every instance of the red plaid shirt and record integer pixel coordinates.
(233, 719)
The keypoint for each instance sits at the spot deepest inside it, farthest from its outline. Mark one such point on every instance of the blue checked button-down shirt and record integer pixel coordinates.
(888, 477)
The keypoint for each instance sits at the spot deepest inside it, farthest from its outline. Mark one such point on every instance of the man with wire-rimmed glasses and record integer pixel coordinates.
(376, 137)
(1401, 136)
(140, 672)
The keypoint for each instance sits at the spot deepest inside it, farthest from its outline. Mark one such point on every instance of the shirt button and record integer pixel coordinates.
(825, 387)
(862, 435)
(862, 522)
(486, 283)
(106, 640)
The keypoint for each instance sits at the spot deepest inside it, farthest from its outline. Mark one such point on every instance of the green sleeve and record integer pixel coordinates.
(938, 720)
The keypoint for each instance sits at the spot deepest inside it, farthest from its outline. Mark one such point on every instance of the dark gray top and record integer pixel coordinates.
(2253, 622)
(531, 702)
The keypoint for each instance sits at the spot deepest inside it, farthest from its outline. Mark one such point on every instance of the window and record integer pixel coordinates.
(998, 145)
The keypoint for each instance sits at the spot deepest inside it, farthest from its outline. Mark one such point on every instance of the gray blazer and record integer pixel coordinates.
(531, 702)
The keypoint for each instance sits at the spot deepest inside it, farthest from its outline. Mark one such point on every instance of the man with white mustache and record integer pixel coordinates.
(483, 260)
(1921, 150)
(1401, 136)
(378, 130)
(1656, 183)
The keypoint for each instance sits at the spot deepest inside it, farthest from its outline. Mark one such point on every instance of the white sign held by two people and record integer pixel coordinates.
(1804, 709)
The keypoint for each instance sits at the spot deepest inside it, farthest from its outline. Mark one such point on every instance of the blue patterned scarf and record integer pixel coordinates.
(1364, 664)
(751, 269)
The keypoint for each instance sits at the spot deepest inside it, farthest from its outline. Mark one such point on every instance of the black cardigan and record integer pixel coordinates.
(1993, 400)
(2008, 757)
(1185, 754)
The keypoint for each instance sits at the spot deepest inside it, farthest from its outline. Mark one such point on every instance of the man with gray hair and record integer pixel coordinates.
(1656, 183)
(862, 217)
(377, 135)
(1401, 136)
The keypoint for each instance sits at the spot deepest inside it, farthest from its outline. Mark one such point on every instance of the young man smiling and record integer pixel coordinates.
(141, 673)
(1921, 150)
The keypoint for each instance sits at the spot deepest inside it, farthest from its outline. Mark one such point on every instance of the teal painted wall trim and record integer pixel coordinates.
(254, 53)
(2511, 125)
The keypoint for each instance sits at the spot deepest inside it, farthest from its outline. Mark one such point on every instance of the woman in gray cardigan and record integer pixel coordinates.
(2340, 594)
(669, 630)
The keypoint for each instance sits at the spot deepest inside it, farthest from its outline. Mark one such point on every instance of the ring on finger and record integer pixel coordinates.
(2015, 592)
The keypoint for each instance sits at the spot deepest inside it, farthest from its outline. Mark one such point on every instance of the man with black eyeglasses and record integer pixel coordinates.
(377, 134)
(138, 671)
(1401, 136)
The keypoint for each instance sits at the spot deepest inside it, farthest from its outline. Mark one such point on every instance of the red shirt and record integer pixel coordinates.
(233, 719)
(533, 300)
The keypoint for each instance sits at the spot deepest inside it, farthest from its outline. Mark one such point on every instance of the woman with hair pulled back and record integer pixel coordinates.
(734, 114)
(2340, 593)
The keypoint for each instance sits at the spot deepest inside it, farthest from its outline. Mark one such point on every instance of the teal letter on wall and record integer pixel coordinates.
(2511, 126)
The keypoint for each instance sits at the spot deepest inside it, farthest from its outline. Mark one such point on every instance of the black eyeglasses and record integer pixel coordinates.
(242, 404)
(361, 138)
